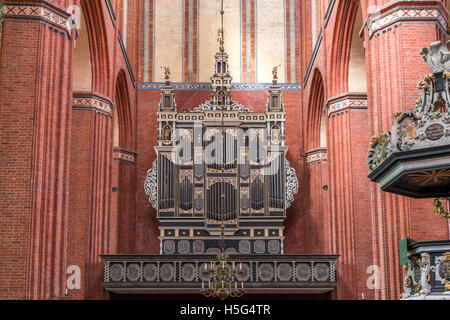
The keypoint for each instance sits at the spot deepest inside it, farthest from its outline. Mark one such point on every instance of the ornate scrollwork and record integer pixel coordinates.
(291, 184)
(381, 148)
(151, 184)
(209, 106)
(409, 283)
(441, 270)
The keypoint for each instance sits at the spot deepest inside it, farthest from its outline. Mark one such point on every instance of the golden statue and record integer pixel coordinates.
(166, 133)
(275, 72)
(166, 73)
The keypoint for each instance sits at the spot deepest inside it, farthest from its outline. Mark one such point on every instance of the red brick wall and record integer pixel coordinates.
(16, 134)
(36, 134)
(57, 205)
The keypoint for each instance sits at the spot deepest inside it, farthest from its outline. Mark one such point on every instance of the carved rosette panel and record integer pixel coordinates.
(266, 271)
(151, 184)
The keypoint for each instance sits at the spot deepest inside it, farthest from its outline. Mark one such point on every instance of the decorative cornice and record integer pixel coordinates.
(156, 86)
(124, 156)
(347, 102)
(92, 102)
(316, 156)
(407, 12)
(44, 11)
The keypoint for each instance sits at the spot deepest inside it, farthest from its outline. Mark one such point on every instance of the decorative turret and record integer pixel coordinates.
(167, 102)
(221, 79)
(275, 112)
(275, 103)
(167, 112)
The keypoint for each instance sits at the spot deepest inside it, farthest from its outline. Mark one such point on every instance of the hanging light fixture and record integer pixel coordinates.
(223, 283)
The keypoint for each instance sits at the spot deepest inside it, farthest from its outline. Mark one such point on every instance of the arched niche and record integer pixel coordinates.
(82, 68)
(357, 81)
(122, 118)
(317, 113)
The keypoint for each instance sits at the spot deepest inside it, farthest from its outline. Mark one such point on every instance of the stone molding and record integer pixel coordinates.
(43, 11)
(316, 156)
(407, 12)
(347, 102)
(124, 156)
(207, 86)
(92, 102)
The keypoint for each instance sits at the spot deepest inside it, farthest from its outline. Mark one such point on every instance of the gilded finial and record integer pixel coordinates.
(221, 35)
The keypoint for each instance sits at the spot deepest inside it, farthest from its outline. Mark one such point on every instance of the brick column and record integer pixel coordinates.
(36, 50)
(394, 34)
(316, 232)
(90, 211)
(350, 222)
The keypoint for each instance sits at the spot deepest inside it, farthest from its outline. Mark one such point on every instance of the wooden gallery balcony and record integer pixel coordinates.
(184, 274)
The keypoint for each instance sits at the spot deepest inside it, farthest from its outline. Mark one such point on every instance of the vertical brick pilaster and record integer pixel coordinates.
(35, 91)
(90, 214)
(349, 193)
(248, 41)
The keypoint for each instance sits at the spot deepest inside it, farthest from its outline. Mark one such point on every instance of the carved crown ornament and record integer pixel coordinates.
(412, 158)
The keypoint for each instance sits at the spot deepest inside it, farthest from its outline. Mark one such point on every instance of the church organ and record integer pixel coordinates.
(221, 170)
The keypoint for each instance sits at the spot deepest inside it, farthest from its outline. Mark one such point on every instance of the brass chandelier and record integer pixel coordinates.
(223, 284)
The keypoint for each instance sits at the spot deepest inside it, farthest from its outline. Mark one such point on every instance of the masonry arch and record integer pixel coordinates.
(82, 69)
(98, 44)
(357, 81)
(347, 54)
(123, 171)
(123, 111)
